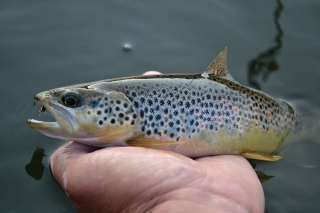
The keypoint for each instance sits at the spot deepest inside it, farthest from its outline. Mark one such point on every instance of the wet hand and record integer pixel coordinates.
(136, 179)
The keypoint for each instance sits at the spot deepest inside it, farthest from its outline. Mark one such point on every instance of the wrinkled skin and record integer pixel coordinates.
(135, 179)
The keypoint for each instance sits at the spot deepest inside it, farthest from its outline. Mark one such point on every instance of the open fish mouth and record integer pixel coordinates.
(62, 125)
(36, 124)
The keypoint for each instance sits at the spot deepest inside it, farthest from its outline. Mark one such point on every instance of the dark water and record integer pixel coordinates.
(44, 45)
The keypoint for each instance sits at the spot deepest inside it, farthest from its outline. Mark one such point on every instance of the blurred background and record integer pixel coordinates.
(272, 46)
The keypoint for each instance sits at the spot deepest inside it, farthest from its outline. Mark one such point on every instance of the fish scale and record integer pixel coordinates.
(191, 114)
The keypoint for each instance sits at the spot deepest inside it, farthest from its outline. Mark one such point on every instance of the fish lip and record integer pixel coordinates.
(36, 124)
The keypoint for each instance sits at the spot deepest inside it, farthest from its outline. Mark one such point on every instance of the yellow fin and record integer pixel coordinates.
(152, 143)
(260, 156)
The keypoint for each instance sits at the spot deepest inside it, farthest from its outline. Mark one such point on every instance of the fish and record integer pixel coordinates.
(195, 115)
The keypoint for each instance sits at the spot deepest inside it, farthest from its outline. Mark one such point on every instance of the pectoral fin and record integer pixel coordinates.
(145, 143)
(260, 156)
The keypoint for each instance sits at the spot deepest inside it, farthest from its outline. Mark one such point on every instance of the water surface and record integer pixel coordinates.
(45, 45)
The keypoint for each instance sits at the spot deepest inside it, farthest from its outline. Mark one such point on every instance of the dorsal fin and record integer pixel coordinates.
(219, 67)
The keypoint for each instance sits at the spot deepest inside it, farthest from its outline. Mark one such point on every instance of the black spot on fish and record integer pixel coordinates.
(112, 121)
(100, 122)
(99, 112)
(136, 104)
(132, 122)
(93, 104)
(148, 132)
(141, 113)
(117, 108)
(155, 99)
(134, 94)
(150, 102)
(158, 117)
(171, 124)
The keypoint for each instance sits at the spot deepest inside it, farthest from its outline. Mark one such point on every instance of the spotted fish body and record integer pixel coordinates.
(194, 115)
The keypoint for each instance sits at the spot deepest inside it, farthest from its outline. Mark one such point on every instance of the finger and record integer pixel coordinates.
(152, 72)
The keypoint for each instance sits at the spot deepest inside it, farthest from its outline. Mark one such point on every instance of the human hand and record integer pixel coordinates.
(136, 179)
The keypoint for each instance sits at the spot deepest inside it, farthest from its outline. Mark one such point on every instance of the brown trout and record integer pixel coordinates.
(192, 114)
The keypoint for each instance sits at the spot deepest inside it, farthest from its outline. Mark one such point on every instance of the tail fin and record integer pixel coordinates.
(302, 145)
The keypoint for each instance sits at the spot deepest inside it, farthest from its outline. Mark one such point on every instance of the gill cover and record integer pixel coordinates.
(116, 117)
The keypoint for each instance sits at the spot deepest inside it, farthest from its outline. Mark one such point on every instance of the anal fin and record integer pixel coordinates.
(260, 156)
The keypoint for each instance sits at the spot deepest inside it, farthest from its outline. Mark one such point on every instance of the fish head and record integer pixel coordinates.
(85, 115)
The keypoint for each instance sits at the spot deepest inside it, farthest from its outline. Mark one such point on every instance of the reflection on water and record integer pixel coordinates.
(35, 168)
(265, 62)
(262, 176)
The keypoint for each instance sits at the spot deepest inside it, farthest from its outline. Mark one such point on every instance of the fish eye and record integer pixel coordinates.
(70, 99)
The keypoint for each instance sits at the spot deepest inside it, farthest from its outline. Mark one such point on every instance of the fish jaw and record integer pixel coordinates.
(65, 124)
(51, 129)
